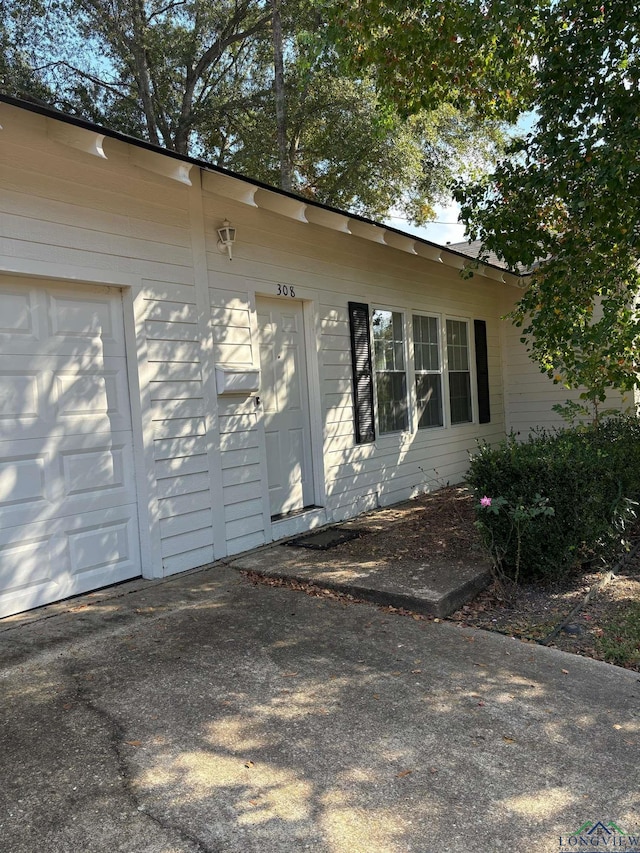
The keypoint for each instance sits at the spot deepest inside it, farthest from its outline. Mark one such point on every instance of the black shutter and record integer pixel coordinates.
(482, 371)
(362, 375)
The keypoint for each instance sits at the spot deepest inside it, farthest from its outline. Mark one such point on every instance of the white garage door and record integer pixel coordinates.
(68, 518)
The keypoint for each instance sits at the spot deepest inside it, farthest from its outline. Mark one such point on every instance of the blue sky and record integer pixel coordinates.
(446, 228)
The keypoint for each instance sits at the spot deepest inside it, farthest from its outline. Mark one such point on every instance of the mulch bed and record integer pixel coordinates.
(441, 524)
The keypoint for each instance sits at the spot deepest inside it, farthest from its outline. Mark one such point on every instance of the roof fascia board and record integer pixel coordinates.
(357, 225)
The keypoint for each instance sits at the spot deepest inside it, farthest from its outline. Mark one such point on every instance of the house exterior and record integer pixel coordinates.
(163, 405)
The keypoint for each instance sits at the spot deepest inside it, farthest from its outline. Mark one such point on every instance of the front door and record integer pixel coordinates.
(285, 404)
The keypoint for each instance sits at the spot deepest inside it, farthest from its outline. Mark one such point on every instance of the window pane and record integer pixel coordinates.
(460, 397)
(382, 325)
(398, 352)
(425, 337)
(392, 405)
(457, 345)
(429, 397)
(426, 353)
(391, 383)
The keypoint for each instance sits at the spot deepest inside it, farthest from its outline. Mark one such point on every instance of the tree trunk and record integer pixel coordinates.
(286, 182)
(138, 49)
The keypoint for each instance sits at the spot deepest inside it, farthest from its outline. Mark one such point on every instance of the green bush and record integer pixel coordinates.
(558, 499)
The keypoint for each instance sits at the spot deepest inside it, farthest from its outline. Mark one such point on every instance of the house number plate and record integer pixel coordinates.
(286, 290)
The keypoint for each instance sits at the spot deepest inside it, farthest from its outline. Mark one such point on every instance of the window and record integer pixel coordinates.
(428, 371)
(390, 372)
(379, 361)
(458, 367)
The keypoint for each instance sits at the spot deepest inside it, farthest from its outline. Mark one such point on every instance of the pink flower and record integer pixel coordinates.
(485, 501)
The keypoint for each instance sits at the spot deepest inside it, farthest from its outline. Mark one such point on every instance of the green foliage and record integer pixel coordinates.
(620, 641)
(564, 200)
(17, 75)
(468, 53)
(197, 77)
(519, 517)
(589, 477)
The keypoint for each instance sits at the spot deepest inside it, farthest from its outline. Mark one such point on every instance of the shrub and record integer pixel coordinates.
(557, 499)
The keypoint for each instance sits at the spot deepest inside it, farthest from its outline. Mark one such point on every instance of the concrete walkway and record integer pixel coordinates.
(423, 583)
(207, 714)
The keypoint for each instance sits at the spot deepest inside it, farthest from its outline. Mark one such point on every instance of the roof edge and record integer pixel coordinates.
(42, 109)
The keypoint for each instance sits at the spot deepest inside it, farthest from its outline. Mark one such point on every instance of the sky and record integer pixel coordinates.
(446, 228)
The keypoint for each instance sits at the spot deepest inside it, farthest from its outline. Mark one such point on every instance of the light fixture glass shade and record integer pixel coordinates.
(226, 238)
(227, 234)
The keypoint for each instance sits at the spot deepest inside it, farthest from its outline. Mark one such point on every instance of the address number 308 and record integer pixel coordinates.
(286, 290)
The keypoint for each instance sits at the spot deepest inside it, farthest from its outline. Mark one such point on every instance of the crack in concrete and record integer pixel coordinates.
(116, 736)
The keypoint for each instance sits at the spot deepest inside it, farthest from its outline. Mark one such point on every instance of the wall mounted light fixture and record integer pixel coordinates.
(226, 238)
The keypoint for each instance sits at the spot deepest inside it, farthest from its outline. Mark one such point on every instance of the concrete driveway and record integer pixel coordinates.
(207, 714)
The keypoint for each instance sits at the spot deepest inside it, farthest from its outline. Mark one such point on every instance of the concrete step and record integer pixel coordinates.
(436, 587)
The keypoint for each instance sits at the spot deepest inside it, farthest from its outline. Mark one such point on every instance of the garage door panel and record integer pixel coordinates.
(25, 562)
(84, 317)
(63, 557)
(18, 315)
(21, 394)
(66, 476)
(91, 396)
(100, 470)
(102, 546)
(22, 480)
(68, 510)
(62, 397)
(61, 321)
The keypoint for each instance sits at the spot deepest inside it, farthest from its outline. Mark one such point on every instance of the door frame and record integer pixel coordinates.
(308, 300)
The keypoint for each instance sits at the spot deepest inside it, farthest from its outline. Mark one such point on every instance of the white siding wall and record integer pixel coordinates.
(330, 269)
(179, 425)
(70, 216)
(530, 394)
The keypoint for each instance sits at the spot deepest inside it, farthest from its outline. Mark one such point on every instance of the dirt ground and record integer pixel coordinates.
(442, 524)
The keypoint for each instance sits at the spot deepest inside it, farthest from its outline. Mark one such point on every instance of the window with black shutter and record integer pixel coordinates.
(362, 373)
(482, 371)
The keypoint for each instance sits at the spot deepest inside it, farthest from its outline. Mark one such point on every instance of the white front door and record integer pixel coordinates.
(285, 404)
(68, 512)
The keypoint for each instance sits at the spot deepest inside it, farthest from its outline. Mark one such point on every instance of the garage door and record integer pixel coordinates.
(68, 518)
